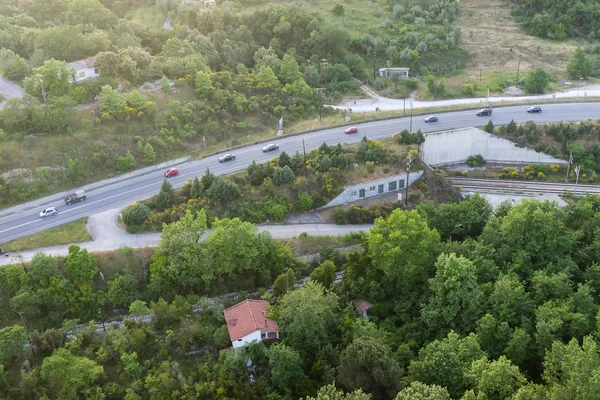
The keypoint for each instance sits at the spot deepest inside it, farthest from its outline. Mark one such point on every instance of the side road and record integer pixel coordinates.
(109, 236)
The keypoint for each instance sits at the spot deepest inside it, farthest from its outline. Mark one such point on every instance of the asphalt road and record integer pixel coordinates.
(141, 187)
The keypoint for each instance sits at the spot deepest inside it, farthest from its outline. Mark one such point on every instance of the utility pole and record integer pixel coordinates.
(411, 115)
(304, 150)
(374, 60)
(204, 141)
(324, 65)
(404, 102)
(43, 91)
(308, 71)
(576, 169)
(27, 331)
(569, 165)
(408, 166)
(518, 68)
(480, 72)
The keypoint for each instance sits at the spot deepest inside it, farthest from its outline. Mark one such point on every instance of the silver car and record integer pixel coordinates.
(270, 147)
(48, 212)
(227, 157)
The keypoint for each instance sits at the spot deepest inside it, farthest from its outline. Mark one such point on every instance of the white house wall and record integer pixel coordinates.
(246, 340)
(353, 193)
(454, 147)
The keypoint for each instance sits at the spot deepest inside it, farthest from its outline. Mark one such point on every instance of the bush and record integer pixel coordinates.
(136, 215)
(127, 162)
(149, 154)
(489, 127)
(370, 165)
(339, 216)
(305, 201)
(475, 161)
(223, 191)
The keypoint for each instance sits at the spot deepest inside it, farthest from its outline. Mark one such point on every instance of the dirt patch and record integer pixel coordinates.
(327, 213)
(493, 40)
(23, 174)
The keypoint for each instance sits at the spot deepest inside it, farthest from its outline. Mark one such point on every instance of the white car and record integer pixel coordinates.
(270, 147)
(48, 212)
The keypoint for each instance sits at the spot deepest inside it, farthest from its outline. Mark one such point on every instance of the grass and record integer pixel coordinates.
(72, 232)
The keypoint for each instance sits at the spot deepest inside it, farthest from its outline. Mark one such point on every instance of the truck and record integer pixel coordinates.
(75, 197)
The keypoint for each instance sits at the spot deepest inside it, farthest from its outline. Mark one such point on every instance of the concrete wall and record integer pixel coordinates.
(454, 147)
(373, 188)
(246, 340)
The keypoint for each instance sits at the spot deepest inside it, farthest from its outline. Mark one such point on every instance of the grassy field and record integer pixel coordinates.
(72, 232)
(314, 244)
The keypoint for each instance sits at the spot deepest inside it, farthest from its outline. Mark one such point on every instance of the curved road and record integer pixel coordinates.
(141, 187)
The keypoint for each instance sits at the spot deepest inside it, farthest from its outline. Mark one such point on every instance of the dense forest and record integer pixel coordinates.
(468, 303)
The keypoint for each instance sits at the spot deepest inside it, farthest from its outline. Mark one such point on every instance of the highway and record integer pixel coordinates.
(137, 188)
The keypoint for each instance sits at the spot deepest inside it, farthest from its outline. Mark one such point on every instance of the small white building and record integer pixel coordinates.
(247, 322)
(386, 72)
(84, 69)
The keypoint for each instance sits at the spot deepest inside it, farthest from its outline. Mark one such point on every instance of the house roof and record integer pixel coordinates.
(247, 317)
(361, 305)
(82, 64)
(394, 69)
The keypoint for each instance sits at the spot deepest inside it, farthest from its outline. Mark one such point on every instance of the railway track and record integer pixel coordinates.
(524, 186)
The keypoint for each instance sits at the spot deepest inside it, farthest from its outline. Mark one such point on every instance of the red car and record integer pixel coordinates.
(352, 130)
(171, 172)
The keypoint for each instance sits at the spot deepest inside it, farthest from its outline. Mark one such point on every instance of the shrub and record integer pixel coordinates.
(305, 201)
(127, 162)
(339, 216)
(370, 165)
(489, 127)
(475, 161)
(149, 154)
(136, 215)
(223, 191)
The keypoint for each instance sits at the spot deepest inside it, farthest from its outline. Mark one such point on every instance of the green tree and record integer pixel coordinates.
(111, 102)
(324, 274)
(455, 303)
(284, 283)
(223, 191)
(136, 215)
(330, 392)
(579, 66)
(165, 196)
(80, 265)
(12, 65)
(497, 379)
(149, 154)
(489, 127)
(123, 289)
(12, 342)
(50, 80)
(421, 391)
(283, 160)
(305, 201)
(204, 86)
(165, 84)
(289, 71)
(138, 307)
(126, 162)
(307, 318)
(285, 366)
(74, 172)
(537, 81)
(446, 363)
(338, 10)
(67, 376)
(368, 364)
(82, 12)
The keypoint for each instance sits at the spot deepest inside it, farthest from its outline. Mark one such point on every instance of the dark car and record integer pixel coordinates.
(352, 130)
(171, 172)
(535, 109)
(484, 111)
(227, 157)
(270, 147)
(431, 118)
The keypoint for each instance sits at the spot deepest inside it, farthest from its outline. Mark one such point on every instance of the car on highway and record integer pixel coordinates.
(484, 111)
(431, 118)
(270, 147)
(75, 197)
(48, 212)
(227, 157)
(352, 130)
(171, 172)
(535, 109)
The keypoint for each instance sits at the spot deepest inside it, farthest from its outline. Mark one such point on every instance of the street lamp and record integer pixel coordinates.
(374, 59)
(26, 330)
(579, 86)
(411, 115)
(409, 161)
(404, 102)
(42, 87)
(324, 65)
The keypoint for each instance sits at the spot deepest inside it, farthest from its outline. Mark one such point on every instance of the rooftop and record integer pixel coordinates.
(247, 317)
(394, 69)
(361, 305)
(82, 64)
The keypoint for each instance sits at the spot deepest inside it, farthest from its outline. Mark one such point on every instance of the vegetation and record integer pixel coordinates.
(71, 232)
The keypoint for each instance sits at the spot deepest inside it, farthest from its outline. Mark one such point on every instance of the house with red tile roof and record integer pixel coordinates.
(247, 322)
(362, 306)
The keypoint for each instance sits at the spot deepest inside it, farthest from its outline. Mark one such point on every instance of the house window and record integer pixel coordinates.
(96, 71)
(392, 186)
(81, 74)
(361, 193)
(239, 340)
(372, 189)
(380, 189)
(401, 183)
(354, 193)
